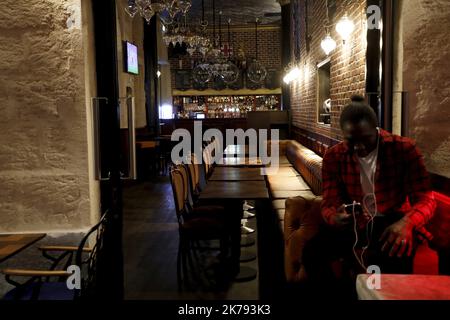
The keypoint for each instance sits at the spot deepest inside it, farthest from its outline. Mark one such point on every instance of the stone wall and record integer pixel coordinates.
(44, 155)
(347, 64)
(426, 65)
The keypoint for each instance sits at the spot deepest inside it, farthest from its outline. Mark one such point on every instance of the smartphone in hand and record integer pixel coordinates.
(356, 207)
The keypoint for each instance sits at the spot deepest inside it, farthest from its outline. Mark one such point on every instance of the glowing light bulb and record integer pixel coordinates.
(328, 44)
(292, 75)
(345, 27)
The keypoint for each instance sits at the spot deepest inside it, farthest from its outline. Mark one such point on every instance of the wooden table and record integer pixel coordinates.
(236, 174)
(236, 150)
(12, 244)
(240, 162)
(235, 190)
(232, 194)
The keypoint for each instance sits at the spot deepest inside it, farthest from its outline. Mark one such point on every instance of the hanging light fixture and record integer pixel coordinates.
(202, 73)
(229, 72)
(178, 31)
(166, 10)
(256, 72)
(215, 64)
(328, 44)
(345, 27)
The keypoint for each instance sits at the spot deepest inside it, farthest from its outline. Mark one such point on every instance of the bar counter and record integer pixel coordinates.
(168, 126)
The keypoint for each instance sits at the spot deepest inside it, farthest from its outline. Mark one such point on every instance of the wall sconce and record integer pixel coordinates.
(345, 27)
(292, 73)
(158, 74)
(328, 44)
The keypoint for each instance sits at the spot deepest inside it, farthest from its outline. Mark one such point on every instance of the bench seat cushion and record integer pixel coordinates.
(302, 221)
(280, 214)
(286, 171)
(287, 184)
(281, 225)
(283, 160)
(279, 204)
(291, 194)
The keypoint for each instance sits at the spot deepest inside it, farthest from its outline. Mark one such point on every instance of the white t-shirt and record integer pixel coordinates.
(368, 167)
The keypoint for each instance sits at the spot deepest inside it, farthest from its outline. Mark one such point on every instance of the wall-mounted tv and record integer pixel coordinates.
(130, 58)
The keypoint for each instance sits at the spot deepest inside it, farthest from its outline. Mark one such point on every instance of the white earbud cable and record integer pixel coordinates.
(370, 223)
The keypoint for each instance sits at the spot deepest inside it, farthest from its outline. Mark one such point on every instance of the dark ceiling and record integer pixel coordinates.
(240, 12)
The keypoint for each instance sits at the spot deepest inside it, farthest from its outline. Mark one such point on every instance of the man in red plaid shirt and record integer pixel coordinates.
(385, 173)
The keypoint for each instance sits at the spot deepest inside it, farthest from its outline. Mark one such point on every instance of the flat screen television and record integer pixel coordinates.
(130, 58)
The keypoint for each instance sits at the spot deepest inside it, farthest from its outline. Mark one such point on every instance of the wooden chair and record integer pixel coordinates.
(195, 223)
(197, 178)
(207, 160)
(39, 285)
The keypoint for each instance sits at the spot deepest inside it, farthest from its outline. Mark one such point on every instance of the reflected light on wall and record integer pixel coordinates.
(306, 72)
(166, 111)
(292, 75)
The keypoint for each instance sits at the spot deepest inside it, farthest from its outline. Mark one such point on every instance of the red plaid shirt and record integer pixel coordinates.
(402, 183)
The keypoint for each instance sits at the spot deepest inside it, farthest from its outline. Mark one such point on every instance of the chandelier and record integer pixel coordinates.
(256, 72)
(179, 32)
(215, 64)
(166, 10)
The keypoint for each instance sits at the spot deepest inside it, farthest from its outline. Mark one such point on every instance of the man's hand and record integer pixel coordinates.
(342, 218)
(363, 219)
(398, 238)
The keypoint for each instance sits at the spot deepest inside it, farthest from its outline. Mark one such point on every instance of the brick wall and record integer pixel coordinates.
(347, 65)
(269, 47)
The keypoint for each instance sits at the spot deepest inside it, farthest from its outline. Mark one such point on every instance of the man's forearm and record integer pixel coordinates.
(422, 210)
